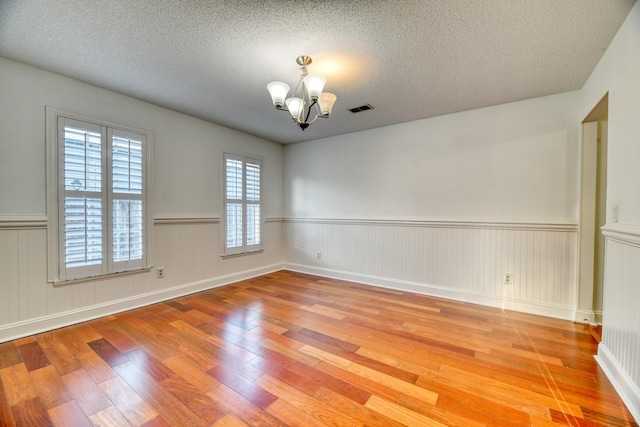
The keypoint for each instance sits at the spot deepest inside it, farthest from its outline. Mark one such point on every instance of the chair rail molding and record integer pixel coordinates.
(489, 223)
(23, 222)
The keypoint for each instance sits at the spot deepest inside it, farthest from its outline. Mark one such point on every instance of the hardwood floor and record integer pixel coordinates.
(293, 349)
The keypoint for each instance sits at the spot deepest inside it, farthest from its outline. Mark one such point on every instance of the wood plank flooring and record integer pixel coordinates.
(294, 349)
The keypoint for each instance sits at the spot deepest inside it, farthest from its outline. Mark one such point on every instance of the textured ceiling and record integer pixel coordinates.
(409, 59)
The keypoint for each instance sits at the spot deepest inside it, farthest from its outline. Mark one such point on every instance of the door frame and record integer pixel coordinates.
(589, 177)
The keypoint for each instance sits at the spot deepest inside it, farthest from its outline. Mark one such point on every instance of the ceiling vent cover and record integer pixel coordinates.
(364, 107)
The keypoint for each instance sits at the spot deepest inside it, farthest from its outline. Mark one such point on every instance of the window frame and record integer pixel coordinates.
(57, 273)
(244, 249)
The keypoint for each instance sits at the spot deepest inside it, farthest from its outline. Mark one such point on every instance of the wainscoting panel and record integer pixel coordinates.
(619, 352)
(22, 261)
(461, 260)
(188, 248)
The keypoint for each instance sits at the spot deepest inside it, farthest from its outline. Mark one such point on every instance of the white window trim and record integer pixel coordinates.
(244, 250)
(53, 192)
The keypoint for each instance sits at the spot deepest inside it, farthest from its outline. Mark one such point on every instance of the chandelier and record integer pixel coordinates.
(307, 95)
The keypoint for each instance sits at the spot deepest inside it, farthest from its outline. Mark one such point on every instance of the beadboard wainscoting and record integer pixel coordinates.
(186, 246)
(462, 260)
(619, 351)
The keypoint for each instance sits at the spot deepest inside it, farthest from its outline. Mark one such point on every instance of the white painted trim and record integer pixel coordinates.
(184, 219)
(46, 323)
(22, 222)
(51, 190)
(585, 316)
(68, 282)
(624, 233)
(542, 309)
(274, 219)
(587, 242)
(598, 314)
(499, 224)
(628, 391)
(181, 219)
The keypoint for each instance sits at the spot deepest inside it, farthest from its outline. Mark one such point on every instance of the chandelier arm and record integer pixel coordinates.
(309, 112)
(311, 122)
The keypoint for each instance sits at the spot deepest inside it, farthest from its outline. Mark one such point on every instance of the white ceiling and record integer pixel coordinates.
(409, 59)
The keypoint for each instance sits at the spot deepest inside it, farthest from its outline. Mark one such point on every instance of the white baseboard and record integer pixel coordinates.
(628, 391)
(46, 323)
(598, 314)
(556, 311)
(585, 316)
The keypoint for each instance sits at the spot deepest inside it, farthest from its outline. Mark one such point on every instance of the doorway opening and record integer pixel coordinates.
(593, 208)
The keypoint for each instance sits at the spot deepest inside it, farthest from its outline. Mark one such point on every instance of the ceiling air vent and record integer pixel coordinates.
(364, 107)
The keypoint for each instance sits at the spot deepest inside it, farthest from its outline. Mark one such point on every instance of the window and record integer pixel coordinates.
(100, 202)
(242, 198)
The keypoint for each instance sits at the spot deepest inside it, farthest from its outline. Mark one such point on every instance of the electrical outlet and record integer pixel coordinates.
(318, 255)
(160, 272)
(508, 279)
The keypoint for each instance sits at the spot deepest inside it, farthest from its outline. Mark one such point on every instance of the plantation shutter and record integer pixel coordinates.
(82, 199)
(127, 196)
(252, 197)
(234, 224)
(101, 204)
(242, 200)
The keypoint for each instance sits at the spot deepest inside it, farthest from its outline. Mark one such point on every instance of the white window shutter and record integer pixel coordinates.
(82, 199)
(101, 199)
(127, 200)
(242, 200)
(252, 197)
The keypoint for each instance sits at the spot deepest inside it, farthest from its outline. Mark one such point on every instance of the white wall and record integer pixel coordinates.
(446, 206)
(617, 73)
(185, 202)
(186, 150)
(512, 161)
